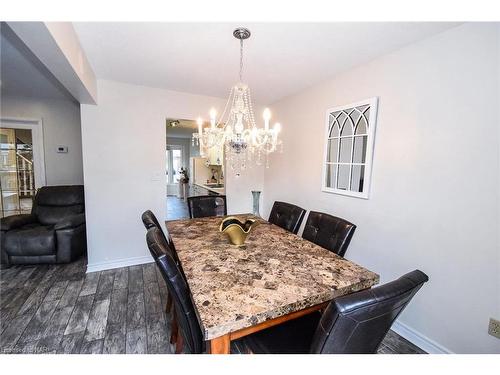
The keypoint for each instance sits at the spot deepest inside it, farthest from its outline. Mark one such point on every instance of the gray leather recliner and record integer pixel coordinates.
(54, 232)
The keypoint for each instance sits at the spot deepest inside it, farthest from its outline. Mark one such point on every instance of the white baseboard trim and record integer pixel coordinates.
(102, 266)
(416, 338)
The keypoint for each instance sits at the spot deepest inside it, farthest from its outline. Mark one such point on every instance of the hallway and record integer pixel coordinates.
(176, 208)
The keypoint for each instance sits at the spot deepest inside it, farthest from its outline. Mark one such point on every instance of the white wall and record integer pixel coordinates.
(58, 48)
(498, 132)
(251, 178)
(434, 201)
(124, 166)
(61, 126)
(68, 43)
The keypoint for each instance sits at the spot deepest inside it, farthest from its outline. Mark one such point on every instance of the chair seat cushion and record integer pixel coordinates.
(31, 240)
(292, 337)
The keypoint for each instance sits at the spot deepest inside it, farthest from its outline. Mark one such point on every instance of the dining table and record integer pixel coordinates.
(275, 276)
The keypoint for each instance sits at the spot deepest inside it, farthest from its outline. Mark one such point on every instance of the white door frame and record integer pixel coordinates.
(36, 127)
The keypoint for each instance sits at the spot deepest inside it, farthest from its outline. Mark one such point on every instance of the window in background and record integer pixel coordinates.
(17, 178)
(174, 163)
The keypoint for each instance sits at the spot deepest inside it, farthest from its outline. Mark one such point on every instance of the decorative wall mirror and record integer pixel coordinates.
(350, 136)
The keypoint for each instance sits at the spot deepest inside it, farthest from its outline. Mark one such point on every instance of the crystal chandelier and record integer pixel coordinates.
(235, 130)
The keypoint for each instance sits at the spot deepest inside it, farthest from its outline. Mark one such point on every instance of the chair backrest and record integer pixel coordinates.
(287, 216)
(150, 221)
(156, 243)
(178, 290)
(55, 203)
(357, 323)
(331, 232)
(207, 205)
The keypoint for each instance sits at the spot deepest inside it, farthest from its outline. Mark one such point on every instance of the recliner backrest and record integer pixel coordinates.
(55, 203)
(331, 232)
(178, 290)
(357, 323)
(287, 216)
(207, 205)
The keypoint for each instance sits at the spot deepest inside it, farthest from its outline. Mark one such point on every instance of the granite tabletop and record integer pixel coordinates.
(275, 273)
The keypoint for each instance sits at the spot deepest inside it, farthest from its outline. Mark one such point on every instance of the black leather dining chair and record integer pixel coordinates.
(287, 216)
(331, 232)
(189, 327)
(149, 220)
(353, 324)
(207, 205)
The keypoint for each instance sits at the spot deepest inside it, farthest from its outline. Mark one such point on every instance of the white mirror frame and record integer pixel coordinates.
(372, 123)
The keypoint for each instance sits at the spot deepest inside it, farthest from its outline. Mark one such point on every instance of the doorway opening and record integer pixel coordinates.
(22, 169)
(189, 173)
(175, 161)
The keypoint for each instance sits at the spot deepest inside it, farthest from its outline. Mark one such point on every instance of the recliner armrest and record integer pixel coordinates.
(70, 222)
(16, 221)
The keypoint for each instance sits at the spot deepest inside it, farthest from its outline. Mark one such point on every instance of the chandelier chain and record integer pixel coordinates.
(241, 60)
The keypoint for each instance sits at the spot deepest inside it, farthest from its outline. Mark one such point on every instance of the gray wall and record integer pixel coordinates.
(435, 186)
(61, 126)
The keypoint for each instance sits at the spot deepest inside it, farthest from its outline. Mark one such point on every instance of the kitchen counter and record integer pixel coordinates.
(220, 191)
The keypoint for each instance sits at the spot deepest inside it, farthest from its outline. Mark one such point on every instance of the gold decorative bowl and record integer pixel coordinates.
(236, 230)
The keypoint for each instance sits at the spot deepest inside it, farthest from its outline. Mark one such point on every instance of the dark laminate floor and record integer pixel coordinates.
(176, 208)
(60, 309)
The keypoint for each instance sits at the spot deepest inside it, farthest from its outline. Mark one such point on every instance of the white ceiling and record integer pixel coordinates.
(22, 74)
(203, 58)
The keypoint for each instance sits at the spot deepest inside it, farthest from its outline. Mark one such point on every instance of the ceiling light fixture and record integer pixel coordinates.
(235, 130)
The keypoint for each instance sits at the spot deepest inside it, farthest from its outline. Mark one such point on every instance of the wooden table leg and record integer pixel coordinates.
(220, 345)
(179, 344)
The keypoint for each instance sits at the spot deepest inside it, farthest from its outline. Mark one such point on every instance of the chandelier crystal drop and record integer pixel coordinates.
(235, 131)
